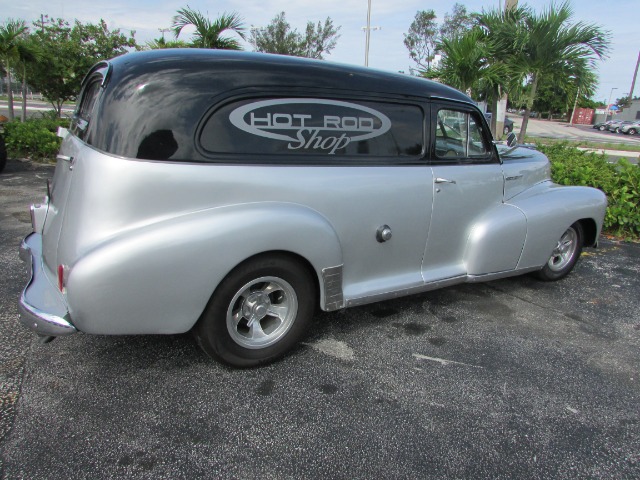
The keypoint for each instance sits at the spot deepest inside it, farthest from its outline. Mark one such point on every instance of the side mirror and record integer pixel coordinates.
(511, 139)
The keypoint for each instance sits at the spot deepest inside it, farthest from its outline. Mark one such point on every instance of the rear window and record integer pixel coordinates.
(314, 126)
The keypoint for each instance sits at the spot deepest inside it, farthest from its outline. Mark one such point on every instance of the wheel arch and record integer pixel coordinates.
(590, 231)
(298, 258)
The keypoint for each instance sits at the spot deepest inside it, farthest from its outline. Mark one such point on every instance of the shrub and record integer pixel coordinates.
(620, 182)
(36, 138)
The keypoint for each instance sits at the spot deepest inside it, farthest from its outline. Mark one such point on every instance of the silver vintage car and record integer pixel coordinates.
(231, 194)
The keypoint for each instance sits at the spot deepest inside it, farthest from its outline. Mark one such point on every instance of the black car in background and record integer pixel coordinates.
(508, 124)
(602, 126)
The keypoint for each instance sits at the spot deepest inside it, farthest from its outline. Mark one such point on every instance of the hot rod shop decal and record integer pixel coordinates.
(310, 123)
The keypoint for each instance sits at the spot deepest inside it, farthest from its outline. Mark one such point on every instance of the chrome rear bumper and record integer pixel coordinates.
(42, 307)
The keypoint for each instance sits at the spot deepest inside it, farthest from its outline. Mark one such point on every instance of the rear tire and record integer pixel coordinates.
(632, 131)
(601, 128)
(258, 312)
(564, 255)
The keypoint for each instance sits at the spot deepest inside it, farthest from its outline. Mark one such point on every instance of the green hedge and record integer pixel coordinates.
(36, 138)
(620, 182)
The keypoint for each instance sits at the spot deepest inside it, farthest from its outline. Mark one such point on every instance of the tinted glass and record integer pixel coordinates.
(314, 126)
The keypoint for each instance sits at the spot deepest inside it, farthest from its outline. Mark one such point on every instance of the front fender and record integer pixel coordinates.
(159, 278)
(550, 209)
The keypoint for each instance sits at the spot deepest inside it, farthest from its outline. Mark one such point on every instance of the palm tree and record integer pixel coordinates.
(464, 59)
(208, 33)
(469, 64)
(161, 43)
(28, 51)
(11, 34)
(545, 45)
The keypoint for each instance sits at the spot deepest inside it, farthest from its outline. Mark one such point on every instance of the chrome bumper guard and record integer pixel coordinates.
(42, 307)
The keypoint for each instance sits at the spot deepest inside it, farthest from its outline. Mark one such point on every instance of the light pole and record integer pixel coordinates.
(609, 102)
(367, 30)
(163, 31)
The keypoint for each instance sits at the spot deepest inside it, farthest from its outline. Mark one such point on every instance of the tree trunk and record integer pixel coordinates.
(11, 113)
(494, 119)
(24, 94)
(527, 110)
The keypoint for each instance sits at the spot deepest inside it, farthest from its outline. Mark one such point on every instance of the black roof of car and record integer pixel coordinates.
(235, 69)
(172, 90)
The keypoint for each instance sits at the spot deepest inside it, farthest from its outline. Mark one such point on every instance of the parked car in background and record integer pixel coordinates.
(508, 123)
(630, 128)
(235, 208)
(602, 126)
(615, 125)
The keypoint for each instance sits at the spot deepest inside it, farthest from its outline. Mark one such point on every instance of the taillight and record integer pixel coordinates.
(63, 271)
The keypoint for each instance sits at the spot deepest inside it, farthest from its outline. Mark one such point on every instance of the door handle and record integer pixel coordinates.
(444, 180)
(66, 158)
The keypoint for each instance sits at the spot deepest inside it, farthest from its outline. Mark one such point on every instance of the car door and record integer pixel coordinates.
(467, 182)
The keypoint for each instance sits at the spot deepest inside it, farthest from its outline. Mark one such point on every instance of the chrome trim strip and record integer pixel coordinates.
(448, 282)
(42, 309)
(332, 281)
(498, 275)
(354, 302)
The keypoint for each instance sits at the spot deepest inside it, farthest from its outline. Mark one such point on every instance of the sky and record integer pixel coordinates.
(386, 51)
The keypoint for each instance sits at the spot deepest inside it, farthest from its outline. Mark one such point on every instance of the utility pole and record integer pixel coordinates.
(609, 104)
(633, 83)
(575, 104)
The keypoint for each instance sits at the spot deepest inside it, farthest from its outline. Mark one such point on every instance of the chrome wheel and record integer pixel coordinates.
(262, 312)
(565, 251)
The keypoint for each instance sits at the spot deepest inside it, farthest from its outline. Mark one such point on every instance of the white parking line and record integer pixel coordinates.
(442, 361)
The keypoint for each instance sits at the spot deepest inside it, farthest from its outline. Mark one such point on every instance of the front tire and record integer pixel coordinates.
(258, 312)
(632, 131)
(564, 255)
(601, 128)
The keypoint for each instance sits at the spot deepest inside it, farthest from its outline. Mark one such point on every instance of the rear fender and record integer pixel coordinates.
(158, 279)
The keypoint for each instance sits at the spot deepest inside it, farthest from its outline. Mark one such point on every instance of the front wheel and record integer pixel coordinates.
(258, 312)
(564, 255)
(601, 128)
(632, 131)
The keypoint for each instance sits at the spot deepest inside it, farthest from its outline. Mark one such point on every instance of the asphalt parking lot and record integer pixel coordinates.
(509, 379)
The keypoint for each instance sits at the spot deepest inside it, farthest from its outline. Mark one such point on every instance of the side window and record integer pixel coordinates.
(304, 127)
(86, 102)
(459, 135)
